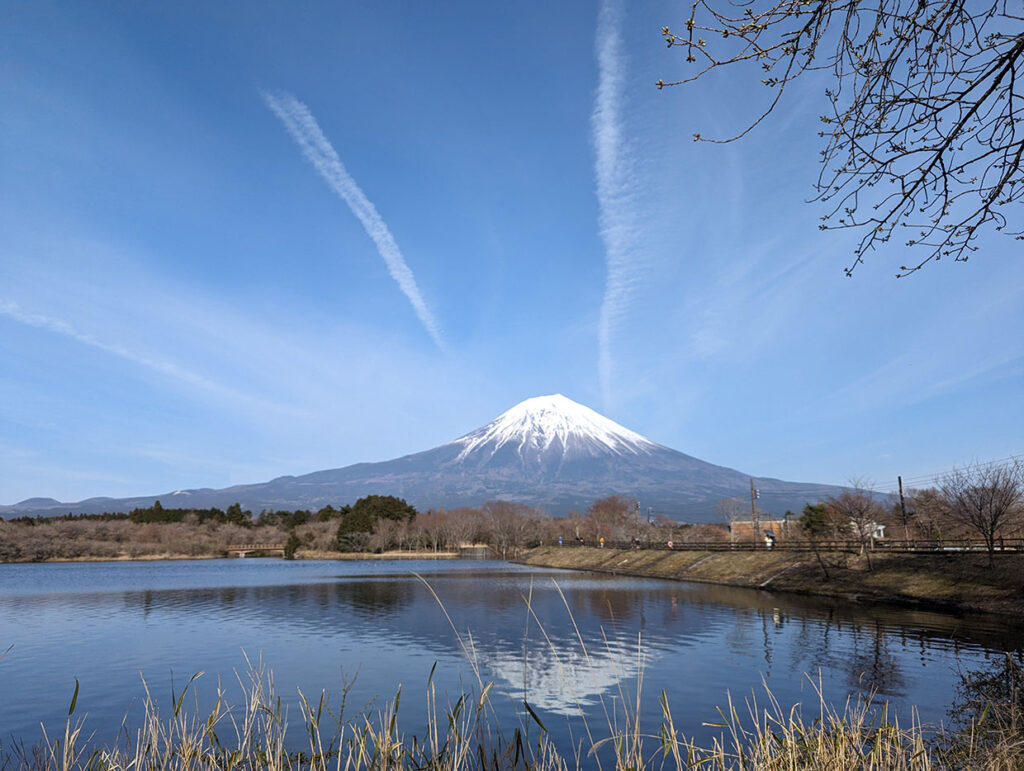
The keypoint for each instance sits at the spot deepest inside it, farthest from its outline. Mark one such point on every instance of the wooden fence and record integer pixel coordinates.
(947, 545)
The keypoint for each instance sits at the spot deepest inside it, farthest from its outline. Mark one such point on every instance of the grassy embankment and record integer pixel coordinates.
(938, 581)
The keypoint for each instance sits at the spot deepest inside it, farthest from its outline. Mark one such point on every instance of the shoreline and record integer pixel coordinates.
(118, 558)
(299, 557)
(961, 583)
(387, 555)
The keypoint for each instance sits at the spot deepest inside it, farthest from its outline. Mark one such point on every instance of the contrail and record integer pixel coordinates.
(301, 124)
(613, 170)
(59, 326)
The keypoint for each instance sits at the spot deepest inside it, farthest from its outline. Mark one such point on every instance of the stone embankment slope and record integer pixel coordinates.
(953, 582)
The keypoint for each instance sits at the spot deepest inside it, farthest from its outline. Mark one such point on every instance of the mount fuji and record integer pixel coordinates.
(548, 451)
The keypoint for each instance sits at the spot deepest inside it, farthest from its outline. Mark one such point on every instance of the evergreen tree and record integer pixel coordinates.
(236, 516)
(291, 546)
(364, 515)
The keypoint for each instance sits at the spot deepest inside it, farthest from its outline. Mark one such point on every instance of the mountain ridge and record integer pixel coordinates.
(546, 451)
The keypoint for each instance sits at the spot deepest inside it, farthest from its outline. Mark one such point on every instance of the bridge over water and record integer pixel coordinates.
(255, 550)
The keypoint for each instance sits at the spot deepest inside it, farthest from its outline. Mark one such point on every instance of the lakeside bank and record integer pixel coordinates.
(311, 554)
(946, 582)
(299, 555)
(162, 557)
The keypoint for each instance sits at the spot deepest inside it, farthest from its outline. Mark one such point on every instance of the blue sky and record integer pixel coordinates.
(244, 241)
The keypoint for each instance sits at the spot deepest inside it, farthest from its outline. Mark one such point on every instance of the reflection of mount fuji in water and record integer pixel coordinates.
(547, 451)
(565, 681)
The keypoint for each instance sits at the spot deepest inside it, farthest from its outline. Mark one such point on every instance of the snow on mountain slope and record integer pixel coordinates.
(552, 425)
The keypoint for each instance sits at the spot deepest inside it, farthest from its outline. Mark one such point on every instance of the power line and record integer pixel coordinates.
(767, 490)
(890, 488)
(911, 481)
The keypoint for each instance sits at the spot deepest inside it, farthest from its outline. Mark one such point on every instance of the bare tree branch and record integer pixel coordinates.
(921, 138)
(987, 499)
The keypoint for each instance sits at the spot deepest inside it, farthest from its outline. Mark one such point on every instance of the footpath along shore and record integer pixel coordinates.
(948, 582)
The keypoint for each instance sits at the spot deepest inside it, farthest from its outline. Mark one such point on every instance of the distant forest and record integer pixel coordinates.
(375, 523)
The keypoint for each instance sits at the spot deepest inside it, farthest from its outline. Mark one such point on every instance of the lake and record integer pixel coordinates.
(570, 643)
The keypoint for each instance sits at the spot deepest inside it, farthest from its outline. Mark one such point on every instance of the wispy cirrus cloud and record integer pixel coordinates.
(306, 132)
(61, 327)
(613, 169)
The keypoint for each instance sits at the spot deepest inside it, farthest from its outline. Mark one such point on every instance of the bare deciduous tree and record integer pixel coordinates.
(612, 518)
(462, 527)
(703, 533)
(733, 510)
(987, 498)
(510, 526)
(928, 513)
(859, 514)
(429, 529)
(922, 139)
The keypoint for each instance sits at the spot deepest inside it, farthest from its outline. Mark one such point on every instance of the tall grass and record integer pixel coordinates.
(256, 732)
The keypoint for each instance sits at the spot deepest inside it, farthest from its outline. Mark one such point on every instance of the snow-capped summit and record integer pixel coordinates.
(546, 426)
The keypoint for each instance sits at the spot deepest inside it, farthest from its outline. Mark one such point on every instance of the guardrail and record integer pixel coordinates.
(247, 547)
(948, 545)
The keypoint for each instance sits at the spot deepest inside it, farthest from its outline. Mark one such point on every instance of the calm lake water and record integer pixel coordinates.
(375, 625)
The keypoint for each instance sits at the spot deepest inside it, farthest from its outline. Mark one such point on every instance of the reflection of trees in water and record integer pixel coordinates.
(872, 666)
(771, 622)
(933, 626)
(738, 637)
(612, 606)
(374, 597)
(990, 699)
(308, 603)
(476, 590)
(862, 650)
(815, 643)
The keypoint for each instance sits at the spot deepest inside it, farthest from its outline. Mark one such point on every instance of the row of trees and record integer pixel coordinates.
(984, 501)
(373, 523)
(980, 500)
(234, 514)
(95, 538)
(508, 528)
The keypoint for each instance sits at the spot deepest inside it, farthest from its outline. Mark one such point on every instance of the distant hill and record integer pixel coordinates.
(548, 451)
(39, 502)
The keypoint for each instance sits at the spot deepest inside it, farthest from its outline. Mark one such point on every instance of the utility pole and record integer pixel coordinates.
(903, 511)
(754, 495)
